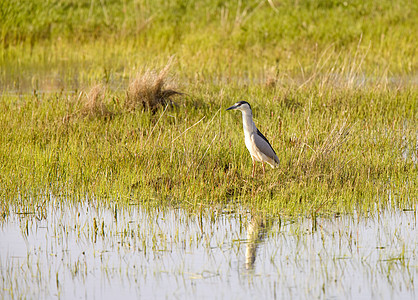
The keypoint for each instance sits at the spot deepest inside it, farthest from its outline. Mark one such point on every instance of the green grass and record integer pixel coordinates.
(332, 86)
(65, 44)
(339, 151)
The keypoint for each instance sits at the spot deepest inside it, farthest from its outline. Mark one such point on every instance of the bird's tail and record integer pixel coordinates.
(276, 163)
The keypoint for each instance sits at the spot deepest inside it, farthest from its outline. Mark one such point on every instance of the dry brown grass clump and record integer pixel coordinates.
(90, 105)
(93, 103)
(148, 91)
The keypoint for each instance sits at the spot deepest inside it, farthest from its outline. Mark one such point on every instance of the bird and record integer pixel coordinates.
(256, 143)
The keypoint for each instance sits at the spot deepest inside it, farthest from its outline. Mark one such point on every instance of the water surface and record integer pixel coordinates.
(87, 250)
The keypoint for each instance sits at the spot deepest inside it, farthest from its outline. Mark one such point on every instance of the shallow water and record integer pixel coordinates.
(87, 250)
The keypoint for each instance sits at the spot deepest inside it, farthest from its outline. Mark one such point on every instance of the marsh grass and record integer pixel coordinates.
(228, 43)
(340, 150)
(337, 101)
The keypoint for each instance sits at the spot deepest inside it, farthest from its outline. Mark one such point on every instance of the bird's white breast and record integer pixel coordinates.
(250, 144)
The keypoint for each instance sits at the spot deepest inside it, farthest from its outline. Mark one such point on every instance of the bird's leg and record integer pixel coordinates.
(252, 175)
(264, 170)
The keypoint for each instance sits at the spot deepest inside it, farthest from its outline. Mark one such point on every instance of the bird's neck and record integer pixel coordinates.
(248, 123)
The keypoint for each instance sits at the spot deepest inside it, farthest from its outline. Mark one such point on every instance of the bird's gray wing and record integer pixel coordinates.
(264, 146)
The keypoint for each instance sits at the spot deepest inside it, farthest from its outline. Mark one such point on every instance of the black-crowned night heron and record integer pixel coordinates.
(257, 144)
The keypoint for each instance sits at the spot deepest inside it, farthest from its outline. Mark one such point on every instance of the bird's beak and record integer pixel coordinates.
(232, 107)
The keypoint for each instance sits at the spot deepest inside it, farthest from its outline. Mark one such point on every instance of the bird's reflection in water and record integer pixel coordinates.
(256, 233)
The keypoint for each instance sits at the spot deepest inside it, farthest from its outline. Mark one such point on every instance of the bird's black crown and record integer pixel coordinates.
(243, 102)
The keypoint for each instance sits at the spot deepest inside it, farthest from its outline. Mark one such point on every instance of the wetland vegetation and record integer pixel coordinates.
(122, 103)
